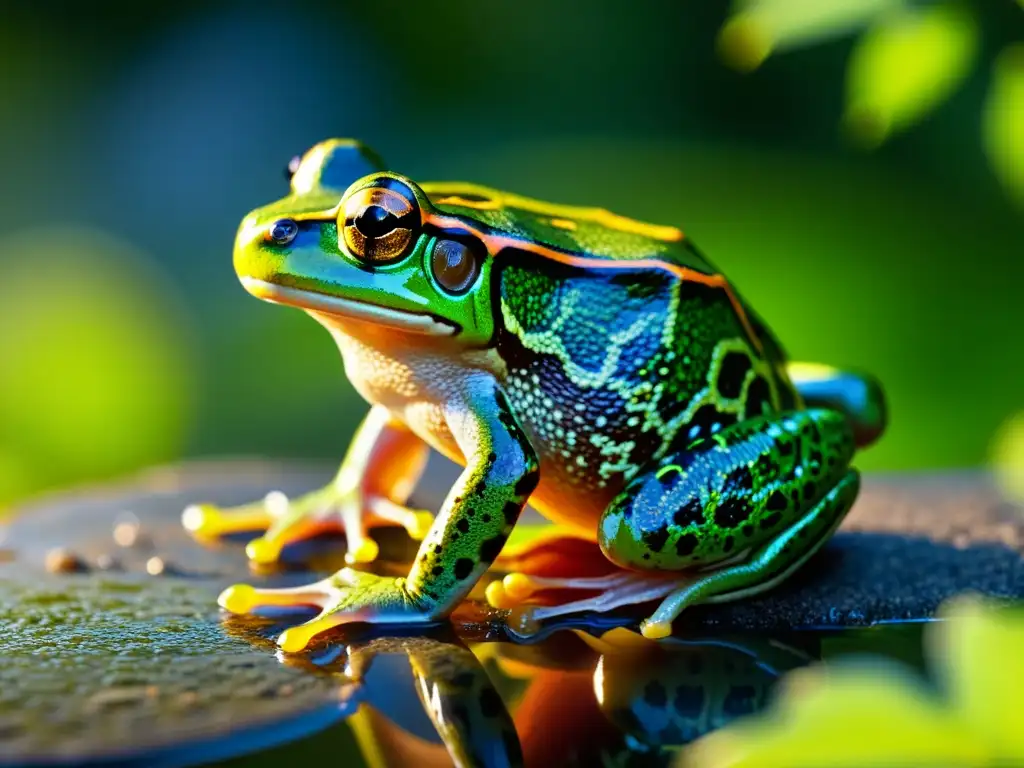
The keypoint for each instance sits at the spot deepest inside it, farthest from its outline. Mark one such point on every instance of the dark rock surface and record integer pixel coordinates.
(137, 656)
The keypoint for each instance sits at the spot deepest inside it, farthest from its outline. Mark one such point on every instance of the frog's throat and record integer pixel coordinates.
(348, 309)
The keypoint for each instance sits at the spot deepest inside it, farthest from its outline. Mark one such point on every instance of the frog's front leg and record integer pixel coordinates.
(379, 472)
(474, 523)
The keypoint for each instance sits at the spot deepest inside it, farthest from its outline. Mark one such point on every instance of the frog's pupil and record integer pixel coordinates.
(375, 221)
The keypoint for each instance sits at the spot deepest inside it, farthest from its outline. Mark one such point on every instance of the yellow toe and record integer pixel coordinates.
(420, 525)
(655, 630)
(495, 594)
(297, 638)
(518, 586)
(240, 598)
(364, 552)
(263, 550)
(199, 518)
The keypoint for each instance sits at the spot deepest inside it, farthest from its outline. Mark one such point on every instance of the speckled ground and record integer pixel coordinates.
(120, 656)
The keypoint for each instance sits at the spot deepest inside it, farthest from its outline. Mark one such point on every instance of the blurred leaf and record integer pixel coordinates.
(96, 375)
(1008, 457)
(979, 654)
(1004, 119)
(871, 712)
(761, 27)
(904, 66)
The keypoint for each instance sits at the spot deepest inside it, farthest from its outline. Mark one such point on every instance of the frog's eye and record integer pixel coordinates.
(379, 223)
(455, 265)
(282, 231)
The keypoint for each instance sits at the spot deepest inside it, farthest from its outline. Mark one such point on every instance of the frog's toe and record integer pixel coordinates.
(416, 522)
(208, 521)
(243, 598)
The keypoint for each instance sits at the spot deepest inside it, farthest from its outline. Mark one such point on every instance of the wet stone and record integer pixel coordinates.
(117, 663)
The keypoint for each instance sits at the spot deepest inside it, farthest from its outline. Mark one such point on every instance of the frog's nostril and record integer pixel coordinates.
(283, 232)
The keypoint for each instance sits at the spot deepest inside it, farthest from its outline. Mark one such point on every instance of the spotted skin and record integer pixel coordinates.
(482, 507)
(727, 493)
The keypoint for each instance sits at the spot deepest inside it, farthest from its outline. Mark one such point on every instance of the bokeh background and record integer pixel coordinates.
(856, 167)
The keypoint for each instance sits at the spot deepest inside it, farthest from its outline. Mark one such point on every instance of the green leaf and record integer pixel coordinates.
(904, 66)
(1003, 120)
(761, 27)
(978, 653)
(872, 713)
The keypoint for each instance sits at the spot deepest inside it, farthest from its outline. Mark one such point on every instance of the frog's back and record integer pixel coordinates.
(619, 336)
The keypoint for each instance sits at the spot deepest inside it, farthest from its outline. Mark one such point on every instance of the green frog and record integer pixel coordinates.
(593, 365)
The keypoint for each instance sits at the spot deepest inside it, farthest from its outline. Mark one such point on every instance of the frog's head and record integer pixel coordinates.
(353, 244)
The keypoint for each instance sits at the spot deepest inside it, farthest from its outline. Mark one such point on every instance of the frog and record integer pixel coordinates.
(594, 366)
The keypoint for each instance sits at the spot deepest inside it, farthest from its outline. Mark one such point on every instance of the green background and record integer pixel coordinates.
(132, 144)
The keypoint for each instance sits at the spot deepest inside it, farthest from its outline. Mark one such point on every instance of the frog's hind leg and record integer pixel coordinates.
(858, 396)
(768, 565)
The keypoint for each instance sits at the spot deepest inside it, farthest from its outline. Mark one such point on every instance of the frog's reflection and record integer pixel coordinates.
(574, 698)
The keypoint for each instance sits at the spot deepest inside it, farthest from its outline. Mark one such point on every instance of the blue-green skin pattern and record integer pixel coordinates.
(648, 387)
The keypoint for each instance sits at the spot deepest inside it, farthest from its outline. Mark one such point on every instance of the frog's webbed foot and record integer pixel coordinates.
(536, 599)
(286, 521)
(348, 596)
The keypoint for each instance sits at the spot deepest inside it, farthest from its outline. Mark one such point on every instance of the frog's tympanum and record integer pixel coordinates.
(595, 366)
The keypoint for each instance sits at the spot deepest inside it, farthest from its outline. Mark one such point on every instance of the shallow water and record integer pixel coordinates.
(570, 699)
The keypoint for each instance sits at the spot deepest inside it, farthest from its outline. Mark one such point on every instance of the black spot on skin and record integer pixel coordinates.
(727, 546)
(731, 511)
(738, 481)
(463, 567)
(759, 398)
(437, 549)
(490, 703)
(481, 487)
(685, 544)
(740, 701)
(470, 512)
(810, 489)
(689, 701)
(816, 456)
(491, 548)
(691, 513)
(707, 421)
(527, 484)
(748, 530)
(655, 695)
(655, 540)
(513, 749)
(485, 517)
(492, 457)
(786, 447)
(647, 555)
(731, 374)
(770, 521)
(437, 570)
(511, 511)
(463, 525)
(777, 501)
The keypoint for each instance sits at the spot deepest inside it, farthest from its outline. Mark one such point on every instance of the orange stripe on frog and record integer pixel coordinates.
(495, 243)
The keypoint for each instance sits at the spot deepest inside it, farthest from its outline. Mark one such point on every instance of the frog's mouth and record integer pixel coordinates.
(348, 309)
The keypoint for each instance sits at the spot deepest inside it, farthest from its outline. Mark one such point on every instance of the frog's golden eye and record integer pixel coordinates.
(455, 265)
(379, 223)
